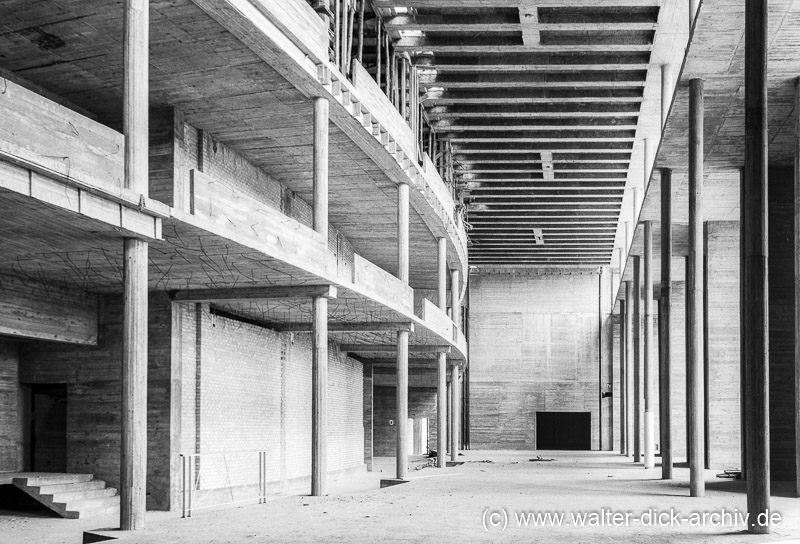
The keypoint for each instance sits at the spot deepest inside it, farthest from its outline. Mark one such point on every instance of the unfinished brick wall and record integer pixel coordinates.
(10, 416)
(533, 347)
(252, 392)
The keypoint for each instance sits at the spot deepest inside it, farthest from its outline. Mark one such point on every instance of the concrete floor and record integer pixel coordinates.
(455, 505)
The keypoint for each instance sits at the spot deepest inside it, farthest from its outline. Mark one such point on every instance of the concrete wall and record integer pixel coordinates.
(782, 326)
(722, 345)
(421, 404)
(93, 378)
(534, 347)
(10, 409)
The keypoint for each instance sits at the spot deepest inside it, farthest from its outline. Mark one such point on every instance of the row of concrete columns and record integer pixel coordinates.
(753, 304)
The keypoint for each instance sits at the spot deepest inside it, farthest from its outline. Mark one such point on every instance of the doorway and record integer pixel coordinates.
(563, 430)
(47, 428)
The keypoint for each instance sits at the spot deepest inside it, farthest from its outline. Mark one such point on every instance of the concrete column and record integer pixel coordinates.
(319, 396)
(441, 389)
(402, 232)
(638, 348)
(402, 404)
(623, 392)
(455, 293)
(454, 413)
(664, 375)
(648, 359)
(694, 311)
(441, 411)
(797, 280)
(133, 458)
(630, 305)
(667, 86)
(319, 371)
(754, 277)
(442, 273)
(321, 111)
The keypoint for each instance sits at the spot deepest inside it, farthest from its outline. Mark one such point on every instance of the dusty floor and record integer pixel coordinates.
(484, 499)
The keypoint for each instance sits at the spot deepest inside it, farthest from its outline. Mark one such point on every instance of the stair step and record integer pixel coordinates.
(85, 505)
(85, 494)
(56, 489)
(92, 512)
(51, 479)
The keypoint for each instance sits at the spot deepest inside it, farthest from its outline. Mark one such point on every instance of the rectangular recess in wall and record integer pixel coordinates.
(563, 430)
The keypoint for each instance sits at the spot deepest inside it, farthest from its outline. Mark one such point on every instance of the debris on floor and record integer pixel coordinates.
(735, 474)
(539, 458)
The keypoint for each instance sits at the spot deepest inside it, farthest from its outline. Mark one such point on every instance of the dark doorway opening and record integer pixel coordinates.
(47, 438)
(563, 430)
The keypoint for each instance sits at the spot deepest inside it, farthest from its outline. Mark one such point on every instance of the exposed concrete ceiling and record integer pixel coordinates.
(546, 105)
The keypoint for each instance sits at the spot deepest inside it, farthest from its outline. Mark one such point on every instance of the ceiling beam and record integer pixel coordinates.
(388, 348)
(347, 327)
(439, 4)
(199, 296)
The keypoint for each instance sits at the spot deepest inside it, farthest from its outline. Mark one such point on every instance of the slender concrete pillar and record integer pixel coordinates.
(455, 292)
(754, 276)
(319, 396)
(319, 362)
(441, 390)
(133, 458)
(638, 348)
(623, 391)
(321, 111)
(441, 412)
(630, 305)
(797, 279)
(664, 372)
(442, 273)
(649, 344)
(667, 86)
(402, 232)
(402, 404)
(454, 413)
(694, 314)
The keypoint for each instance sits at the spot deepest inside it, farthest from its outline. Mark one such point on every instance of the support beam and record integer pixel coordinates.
(133, 460)
(649, 378)
(629, 408)
(402, 232)
(694, 309)
(638, 348)
(441, 411)
(199, 296)
(319, 397)
(402, 405)
(375, 348)
(664, 366)
(382, 326)
(755, 303)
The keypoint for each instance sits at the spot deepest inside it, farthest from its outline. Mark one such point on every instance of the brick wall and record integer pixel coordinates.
(251, 391)
(368, 416)
(534, 347)
(10, 416)
(92, 375)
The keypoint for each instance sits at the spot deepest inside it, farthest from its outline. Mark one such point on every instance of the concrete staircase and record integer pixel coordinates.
(70, 495)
